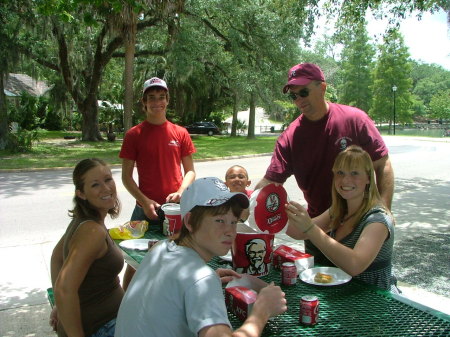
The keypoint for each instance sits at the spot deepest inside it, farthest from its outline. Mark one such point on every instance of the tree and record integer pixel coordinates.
(255, 46)
(206, 51)
(356, 67)
(392, 69)
(351, 12)
(127, 24)
(428, 80)
(129, 27)
(440, 105)
(82, 41)
(12, 16)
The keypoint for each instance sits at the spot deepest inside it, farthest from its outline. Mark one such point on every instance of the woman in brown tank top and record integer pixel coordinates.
(85, 263)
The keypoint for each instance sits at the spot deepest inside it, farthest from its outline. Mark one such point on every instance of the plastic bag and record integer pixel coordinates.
(129, 230)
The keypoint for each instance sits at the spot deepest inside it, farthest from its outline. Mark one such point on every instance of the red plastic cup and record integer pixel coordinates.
(173, 218)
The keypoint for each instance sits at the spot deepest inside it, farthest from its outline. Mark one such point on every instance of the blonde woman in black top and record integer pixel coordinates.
(357, 233)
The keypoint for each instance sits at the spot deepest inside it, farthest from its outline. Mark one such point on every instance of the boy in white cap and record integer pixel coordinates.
(158, 149)
(185, 297)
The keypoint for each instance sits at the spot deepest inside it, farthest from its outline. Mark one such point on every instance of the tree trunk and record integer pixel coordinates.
(129, 43)
(85, 92)
(251, 117)
(235, 115)
(3, 114)
(128, 79)
(178, 100)
(89, 127)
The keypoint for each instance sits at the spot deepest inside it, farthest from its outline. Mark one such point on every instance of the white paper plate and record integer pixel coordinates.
(226, 257)
(339, 276)
(138, 244)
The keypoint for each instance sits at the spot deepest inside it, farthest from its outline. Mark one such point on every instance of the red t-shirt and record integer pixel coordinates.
(308, 149)
(157, 151)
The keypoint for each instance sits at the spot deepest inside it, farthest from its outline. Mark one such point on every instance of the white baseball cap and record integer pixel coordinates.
(210, 191)
(154, 82)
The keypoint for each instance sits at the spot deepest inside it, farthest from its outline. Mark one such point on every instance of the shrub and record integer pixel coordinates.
(22, 140)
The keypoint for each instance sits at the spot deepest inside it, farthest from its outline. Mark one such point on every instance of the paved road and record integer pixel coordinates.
(33, 217)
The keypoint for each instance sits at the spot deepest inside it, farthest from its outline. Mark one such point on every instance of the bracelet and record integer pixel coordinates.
(309, 228)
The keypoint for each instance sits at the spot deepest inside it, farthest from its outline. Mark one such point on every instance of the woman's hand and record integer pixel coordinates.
(298, 217)
(54, 318)
(226, 275)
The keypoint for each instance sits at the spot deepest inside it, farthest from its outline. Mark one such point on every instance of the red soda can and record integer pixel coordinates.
(309, 310)
(288, 274)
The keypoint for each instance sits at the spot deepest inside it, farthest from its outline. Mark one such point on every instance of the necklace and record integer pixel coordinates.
(343, 220)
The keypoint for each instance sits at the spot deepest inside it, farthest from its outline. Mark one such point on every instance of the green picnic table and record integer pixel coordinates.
(351, 309)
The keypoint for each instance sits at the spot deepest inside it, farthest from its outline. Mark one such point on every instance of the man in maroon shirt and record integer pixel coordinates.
(308, 147)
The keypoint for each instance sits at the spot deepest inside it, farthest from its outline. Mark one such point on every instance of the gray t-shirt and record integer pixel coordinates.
(379, 273)
(173, 293)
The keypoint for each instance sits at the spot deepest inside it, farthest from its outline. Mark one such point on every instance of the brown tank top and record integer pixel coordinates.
(100, 292)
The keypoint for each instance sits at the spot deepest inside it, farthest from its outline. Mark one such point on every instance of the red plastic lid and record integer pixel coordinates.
(270, 214)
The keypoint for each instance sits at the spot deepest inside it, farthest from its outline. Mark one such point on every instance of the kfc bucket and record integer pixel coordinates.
(251, 251)
(172, 221)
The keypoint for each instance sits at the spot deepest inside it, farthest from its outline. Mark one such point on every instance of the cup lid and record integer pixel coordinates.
(270, 213)
(171, 207)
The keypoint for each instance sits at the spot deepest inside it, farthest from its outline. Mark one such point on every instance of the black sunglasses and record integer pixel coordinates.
(302, 93)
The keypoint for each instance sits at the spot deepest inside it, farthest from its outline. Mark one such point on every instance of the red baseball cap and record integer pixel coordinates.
(303, 74)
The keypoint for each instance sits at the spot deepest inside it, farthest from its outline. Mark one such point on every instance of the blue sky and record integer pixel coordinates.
(428, 39)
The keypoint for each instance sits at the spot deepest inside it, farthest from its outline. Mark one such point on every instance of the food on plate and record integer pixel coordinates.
(323, 278)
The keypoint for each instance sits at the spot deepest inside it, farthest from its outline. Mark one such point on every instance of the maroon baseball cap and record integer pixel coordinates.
(303, 74)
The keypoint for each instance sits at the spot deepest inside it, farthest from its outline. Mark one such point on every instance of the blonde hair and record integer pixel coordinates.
(351, 158)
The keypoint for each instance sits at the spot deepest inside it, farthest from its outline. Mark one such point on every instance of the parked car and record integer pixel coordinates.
(208, 128)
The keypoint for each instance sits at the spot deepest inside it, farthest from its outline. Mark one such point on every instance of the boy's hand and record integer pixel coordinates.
(174, 197)
(150, 209)
(271, 301)
(226, 275)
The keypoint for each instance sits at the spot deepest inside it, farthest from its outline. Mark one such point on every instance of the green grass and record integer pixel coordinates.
(53, 151)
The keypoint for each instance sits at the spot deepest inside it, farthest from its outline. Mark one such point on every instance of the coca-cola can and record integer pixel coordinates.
(288, 274)
(309, 310)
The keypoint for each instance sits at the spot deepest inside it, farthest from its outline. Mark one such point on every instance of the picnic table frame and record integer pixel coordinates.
(352, 309)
